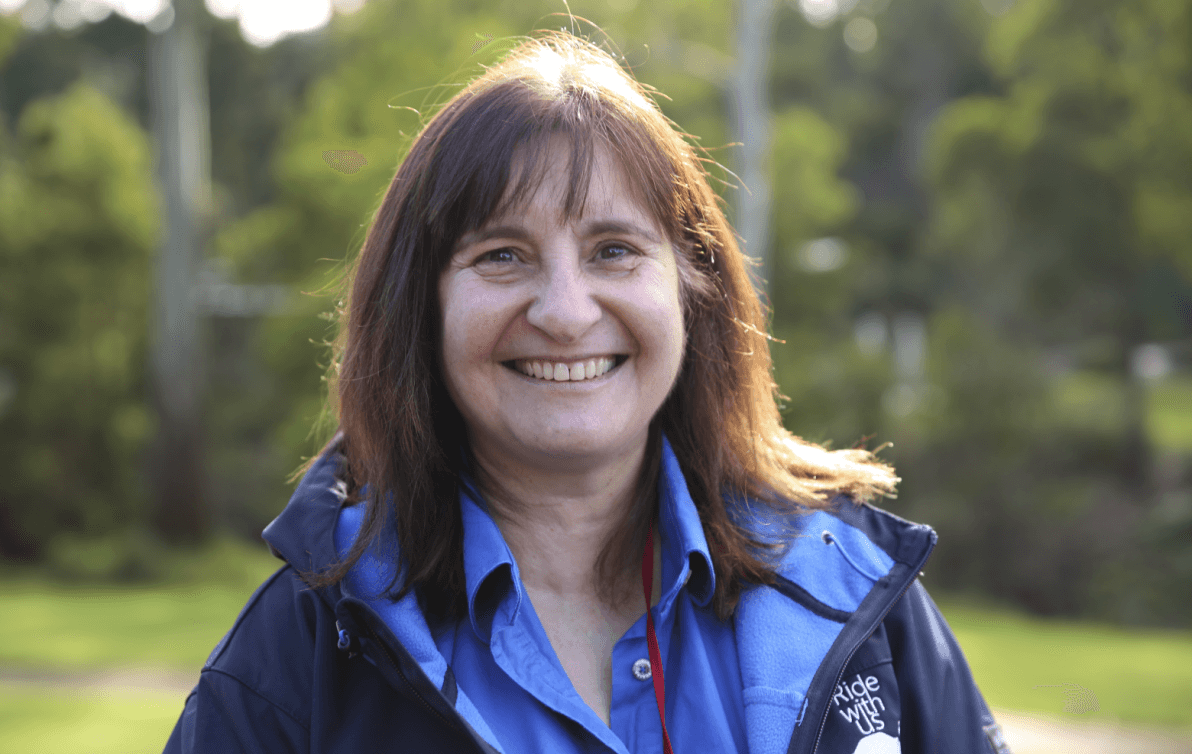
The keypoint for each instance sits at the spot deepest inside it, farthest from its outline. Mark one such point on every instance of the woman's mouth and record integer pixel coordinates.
(566, 371)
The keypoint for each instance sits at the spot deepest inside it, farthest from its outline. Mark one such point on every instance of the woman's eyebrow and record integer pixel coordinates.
(594, 228)
(515, 232)
(619, 227)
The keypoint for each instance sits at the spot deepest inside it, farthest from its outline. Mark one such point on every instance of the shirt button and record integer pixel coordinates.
(641, 670)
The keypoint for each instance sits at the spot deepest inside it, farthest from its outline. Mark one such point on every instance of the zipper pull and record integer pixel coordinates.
(345, 643)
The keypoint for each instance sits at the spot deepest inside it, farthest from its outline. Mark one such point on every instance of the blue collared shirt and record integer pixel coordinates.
(504, 662)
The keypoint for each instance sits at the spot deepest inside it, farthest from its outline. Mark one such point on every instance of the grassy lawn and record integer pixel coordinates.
(86, 627)
(1024, 663)
(92, 722)
(70, 629)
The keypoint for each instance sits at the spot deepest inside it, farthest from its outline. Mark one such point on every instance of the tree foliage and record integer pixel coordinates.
(78, 222)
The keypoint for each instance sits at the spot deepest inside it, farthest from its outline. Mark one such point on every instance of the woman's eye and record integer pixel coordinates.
(497, 256)
(614, 252)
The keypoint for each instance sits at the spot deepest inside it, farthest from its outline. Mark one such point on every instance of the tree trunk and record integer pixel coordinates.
(750, 105)
(178, 101)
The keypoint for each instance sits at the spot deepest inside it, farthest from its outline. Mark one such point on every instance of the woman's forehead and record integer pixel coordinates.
(572, 184)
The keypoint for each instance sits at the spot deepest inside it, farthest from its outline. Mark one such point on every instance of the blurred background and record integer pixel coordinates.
(972, 219)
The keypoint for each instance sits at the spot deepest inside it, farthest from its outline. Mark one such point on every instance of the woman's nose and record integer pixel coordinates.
(564, 307)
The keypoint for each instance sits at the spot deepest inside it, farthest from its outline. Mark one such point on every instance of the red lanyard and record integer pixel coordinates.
(652, 638)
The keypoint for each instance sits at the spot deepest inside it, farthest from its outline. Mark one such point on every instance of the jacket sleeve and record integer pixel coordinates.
(942, 712)
(224, 715)
(250, 693)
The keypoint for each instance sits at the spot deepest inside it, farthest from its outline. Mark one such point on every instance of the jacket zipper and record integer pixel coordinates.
(388, 655)
(848, 658)
(390, 660)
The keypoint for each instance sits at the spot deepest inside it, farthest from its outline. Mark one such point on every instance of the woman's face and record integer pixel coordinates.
(562, 338)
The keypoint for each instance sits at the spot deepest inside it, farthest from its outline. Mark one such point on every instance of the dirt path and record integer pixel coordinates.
(1029, 733)
(115, 680)
(1026, 733)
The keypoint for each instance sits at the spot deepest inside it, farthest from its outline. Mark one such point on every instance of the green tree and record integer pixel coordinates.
(853, 184)
(78, 221)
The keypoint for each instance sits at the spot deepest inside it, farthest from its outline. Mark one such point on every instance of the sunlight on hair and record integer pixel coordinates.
(560, 71)
(613, 80)
(549, 64)
(812, 453)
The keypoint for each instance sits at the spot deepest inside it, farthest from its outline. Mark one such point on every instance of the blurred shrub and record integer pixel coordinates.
(130, 554)
(78, 222)
(136, 555)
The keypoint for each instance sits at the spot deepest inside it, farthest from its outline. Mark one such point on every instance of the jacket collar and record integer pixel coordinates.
(303, 534)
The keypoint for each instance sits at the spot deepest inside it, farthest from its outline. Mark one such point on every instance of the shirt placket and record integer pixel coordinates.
(634, 711)
(519, 649)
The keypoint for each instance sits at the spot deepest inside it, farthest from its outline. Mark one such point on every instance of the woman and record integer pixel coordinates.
(555, 403)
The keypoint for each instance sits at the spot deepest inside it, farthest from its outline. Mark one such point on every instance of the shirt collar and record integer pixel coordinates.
(486, 555)
(491, 574)
(686, 559)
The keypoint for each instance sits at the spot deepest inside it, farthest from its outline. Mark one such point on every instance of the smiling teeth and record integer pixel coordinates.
(573, 371)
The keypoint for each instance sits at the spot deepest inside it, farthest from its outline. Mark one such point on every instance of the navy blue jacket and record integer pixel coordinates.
(846, 654)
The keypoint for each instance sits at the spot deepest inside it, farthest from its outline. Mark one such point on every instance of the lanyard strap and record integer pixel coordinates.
(652, 638)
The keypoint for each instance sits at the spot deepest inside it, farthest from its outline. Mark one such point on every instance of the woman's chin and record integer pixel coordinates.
(578, 443)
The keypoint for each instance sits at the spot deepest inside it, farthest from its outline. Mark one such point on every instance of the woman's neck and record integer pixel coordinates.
(558, 521)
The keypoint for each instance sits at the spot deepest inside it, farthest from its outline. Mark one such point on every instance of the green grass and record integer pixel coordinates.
(1141, 676)
(68, 629)
(45, 722)
(60, 627)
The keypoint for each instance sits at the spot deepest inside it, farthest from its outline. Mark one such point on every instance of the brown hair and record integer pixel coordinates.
(402, 435)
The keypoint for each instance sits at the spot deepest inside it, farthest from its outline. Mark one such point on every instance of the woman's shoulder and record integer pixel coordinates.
(855, 538)
(254, 690)
(278, 627)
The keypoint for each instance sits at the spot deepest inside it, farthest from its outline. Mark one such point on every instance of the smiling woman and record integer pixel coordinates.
(562, 513)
